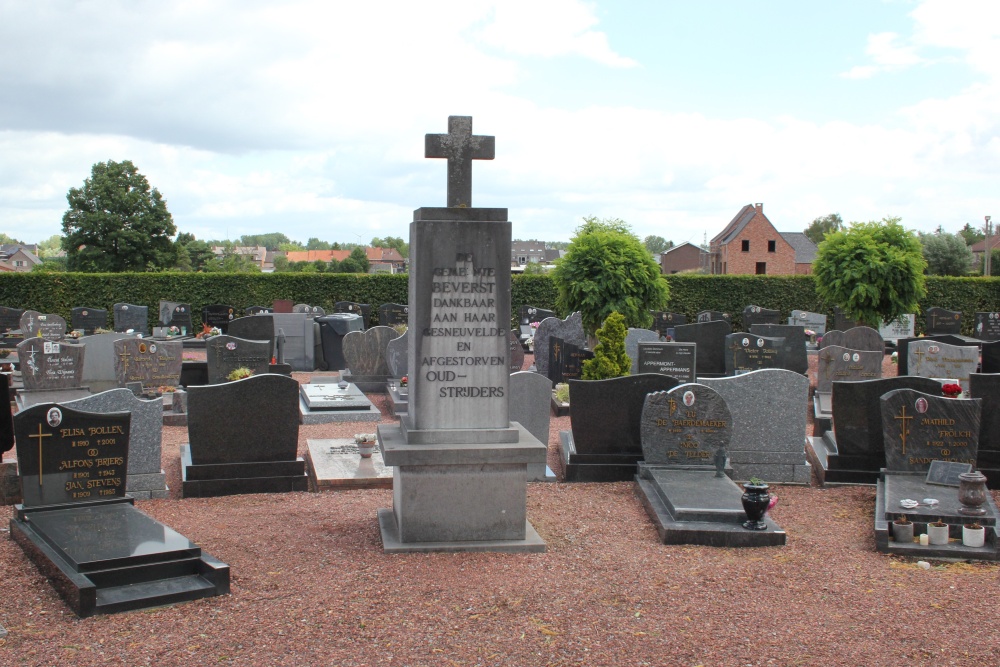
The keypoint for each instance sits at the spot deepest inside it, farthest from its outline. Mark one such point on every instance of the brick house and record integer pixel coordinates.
(522, 252)
(684, 257)
(805, 251)
(751, 244)
(20, 257)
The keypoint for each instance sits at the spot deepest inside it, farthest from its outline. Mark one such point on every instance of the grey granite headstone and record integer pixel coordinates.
(747, 352)
(986, 387)
(396, 355)
(306, 309)
(842, 322)
(569, 330)
(769, 424)
(516, 358)
(153, 363)
(987, 326)
(674, 359)
(757, 315)
(919, 428)
(857, 338)
(99, 361)
(841, 364)
(129, 316)
(47, 365)
(37, 325)
(364, 351)
(254, 327)
(632, 340)
(794, 356)
(710, 338)
(146, 478)
(299, 346)
(815, 322)
(531, 406)
(174, 314)
(932, 359)
(942, 321)
(227, 353)
(685, 426)
(901, 327)
(903, 349)
(88, 320)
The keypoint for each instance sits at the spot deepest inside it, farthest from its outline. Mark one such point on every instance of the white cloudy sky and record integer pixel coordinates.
(307, 117)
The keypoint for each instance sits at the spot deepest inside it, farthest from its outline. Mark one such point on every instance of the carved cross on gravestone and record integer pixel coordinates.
(460, 147)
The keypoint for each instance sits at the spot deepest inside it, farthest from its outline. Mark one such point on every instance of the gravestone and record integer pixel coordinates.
(130, 317)
(254, 327)
(88, 320)
(528, 315)
(153, 363)
(569, 330)
(841, 321)
(605, 415)
(48, 365)
(362, 309)
(664, 322)
(145, 479)
(326, 403)
(919, 428)
(746, 352)
(858, 338)
(931, 359)
(516, 358)
(756, 315)
(530, 396)
(218, 316)
(674, 359)
(794, 356)
(47, 327)
(815, 322)
(225, 354)
(99, 361)
(842, 364)
(393, 314)
(901, 327)
(987, 326)
(710, 337)
(299, 332)
(685, 435)
(282, 306)
(632, 340)
(258, 310)
(713, 316)
(460, 464)
(396, 358)
(903, 348)
(566, 361)
(81, 530)
(243, 438)
(769, 425)
(10, 483)
(10, 319)
(174, 314)
(941, 321)
(986, 387)
(306, 309)
(364, 352)
(854, 452)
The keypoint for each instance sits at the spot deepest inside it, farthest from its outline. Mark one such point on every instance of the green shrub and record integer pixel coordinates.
(610, 359)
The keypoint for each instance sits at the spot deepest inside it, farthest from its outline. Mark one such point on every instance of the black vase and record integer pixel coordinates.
(755, 500)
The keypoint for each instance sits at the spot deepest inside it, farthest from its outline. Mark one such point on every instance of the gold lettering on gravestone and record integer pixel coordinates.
(41, 438)
(904, 427)
(125, 357)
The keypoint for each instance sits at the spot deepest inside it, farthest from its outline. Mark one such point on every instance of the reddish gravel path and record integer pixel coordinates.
(311, 586)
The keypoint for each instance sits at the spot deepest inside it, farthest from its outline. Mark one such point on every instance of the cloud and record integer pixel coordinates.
(889, 53)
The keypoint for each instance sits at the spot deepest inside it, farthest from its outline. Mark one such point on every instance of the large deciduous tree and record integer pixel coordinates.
(657, 244)
(820, 227)
(607, 269)
(874, 270)
(116, 222)
(946, 254)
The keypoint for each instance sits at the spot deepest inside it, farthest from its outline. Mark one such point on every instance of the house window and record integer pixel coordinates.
(771, 246)
(746, 245)
(761, 268)
(19, 262)
(522, 260)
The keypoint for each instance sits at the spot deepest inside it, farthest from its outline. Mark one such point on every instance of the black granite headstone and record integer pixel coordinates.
(795, 357)
(516, 353)
(224, 354)
(919, 428)
(218, 316)
(841, 321)
(130, 316)
(88, 319)
(664, 322)
(713, 316)
(941, 321)
(674, 359)
(711, 340)
(258, 310)
(986, 387)
(254, 327)
(362, 309)
(903, 349)
(174, 314)
(392, 314)
(756, 315)
(10, 318)
(566, 360)
(746, 352)
(529, 314)
(6, 420)
(987, 326)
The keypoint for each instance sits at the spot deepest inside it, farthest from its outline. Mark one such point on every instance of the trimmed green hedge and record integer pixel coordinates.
(689, 294)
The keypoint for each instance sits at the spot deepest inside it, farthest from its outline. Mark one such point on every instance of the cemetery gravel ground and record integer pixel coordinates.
(311, 586)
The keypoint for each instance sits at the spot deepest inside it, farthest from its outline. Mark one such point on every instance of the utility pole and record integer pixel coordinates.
(988, 228)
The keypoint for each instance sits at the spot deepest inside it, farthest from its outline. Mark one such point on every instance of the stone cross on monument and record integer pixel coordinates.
(460, 147)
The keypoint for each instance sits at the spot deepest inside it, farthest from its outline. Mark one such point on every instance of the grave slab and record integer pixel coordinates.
(335, 464)
(331, 403)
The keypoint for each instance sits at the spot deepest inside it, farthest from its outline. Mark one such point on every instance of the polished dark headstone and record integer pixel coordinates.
(566, 360)
(362, 309)
(47, 364)
(674, 359)
(842, 322)
(254, 327)
(942, 321)
(516, 358)
(37, 325)
(225, 354)
(131, 317)
(6, 418)
(795, 357)
(606, 418)
(903, 344)
(815, 322)
(570, 330)
(987, 326)
(10, 318)
(918, 428)
(710, 338)
(986, 387)
(840, 364)
(664, 322)
(88, 320)
(218, 316)
(258, 310)
(393, 314)
(713, 316)
(244, 438)
(756, 315)
(528, 314)
(175, 314)
(153, 363)
(746, 352)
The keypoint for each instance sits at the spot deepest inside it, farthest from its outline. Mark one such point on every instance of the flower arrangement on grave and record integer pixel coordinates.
(239, 373)
(366, 444)
(951, 390)
(100, 330)
(173, 331)
(166, 389)
(399, 328)
(811, 334)
(894, 358)
(74, 334)
(530, 342)
(404, 381)
(561, 392)
(610, 359)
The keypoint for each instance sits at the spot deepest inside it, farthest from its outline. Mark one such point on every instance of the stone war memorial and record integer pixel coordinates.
(459, 464)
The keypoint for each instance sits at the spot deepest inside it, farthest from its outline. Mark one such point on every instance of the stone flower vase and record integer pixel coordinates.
(973, 537)
(902, 532)
(937, 535)
(972, 493)
(755, 500)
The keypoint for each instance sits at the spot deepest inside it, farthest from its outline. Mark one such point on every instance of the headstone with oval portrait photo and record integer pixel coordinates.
(987, 326)
(88, 320)
(934, 359)
(747, 352)
(153, 363)
(225, 354)
(841, 364)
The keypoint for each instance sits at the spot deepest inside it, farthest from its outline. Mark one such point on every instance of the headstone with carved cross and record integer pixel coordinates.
(919, 428)
(460, 465)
